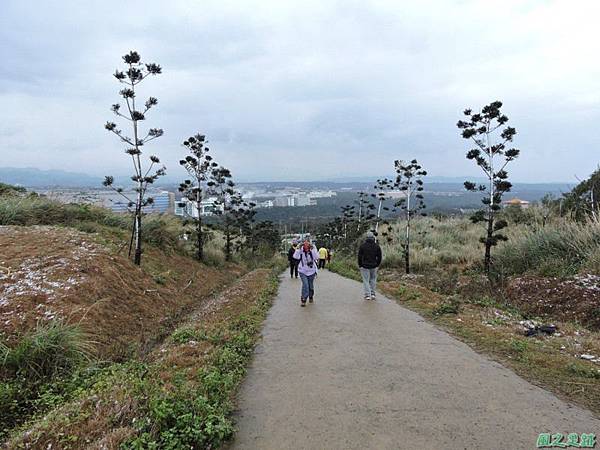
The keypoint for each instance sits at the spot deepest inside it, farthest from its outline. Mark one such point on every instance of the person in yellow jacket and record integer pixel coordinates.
(322, 257)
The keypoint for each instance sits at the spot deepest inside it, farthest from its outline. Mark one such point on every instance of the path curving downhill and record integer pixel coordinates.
(348, 374)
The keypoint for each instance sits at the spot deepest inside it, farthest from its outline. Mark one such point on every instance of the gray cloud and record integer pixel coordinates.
(346, 86)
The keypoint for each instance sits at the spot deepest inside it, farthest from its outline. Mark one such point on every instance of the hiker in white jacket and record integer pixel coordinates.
(308, 258)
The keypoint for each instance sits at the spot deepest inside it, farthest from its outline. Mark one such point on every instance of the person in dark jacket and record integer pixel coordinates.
(293, 262)
(369, 259)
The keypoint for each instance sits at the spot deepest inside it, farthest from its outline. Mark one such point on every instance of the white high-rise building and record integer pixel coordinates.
(187, 208)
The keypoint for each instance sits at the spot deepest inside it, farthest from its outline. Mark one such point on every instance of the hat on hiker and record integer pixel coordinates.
(370, 236)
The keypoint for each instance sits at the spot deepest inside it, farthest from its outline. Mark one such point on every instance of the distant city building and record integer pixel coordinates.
(283, 201)
(304, 200)
(265, 204)
(396, 194)
(187, 208)
(294, 200)
(516, 202)
(322, 194)
(162, 203)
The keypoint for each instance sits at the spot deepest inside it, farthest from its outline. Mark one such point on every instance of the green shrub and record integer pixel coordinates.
(213, 257)
(182, 418)
(345, 266)
(392, 261)
(518, 346)
(162, 231)
(186, 334)
(11, 404)
(36, 210)
(9, 189)
(450, 305)
(52, 349)
(37, 372)
(583, 371)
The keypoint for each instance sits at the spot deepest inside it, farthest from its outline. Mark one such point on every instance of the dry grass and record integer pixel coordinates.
(558, 248)
(107, 416)
(435, 242)
(51, 272)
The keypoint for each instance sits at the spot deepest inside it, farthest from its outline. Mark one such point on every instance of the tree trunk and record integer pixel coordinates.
(490, 227)
(378, 216)
(138, 238)
(227, 243)
(407, 241)
(488, 244)
(137, 259)
(200, 238)
(407, 245)
(131, 238)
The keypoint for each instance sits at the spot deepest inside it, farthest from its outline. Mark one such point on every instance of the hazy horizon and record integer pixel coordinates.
(304, 90)
(172, 178)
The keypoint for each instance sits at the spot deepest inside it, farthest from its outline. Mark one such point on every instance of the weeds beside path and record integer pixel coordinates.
(181, 396)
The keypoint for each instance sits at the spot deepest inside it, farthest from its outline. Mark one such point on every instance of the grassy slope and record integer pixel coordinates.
(54, 272)
(181, 397)
(60, 277)
(558, 248)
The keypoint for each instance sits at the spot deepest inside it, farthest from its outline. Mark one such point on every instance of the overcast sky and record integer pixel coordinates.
(301, 90)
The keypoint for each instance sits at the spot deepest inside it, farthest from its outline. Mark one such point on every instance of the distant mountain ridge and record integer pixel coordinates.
(36, 178)
(30, 177)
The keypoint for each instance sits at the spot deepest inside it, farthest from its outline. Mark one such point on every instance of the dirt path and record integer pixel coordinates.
(348, 374)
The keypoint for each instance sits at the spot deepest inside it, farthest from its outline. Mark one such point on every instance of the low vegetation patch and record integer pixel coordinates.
(559, 249)
(51, 273)
(180, 396)
(33, 370)
(69, 299)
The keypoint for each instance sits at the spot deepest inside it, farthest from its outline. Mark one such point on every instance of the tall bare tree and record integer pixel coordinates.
(247, 222)
(364, 213)
(228, 204)
(381, 194)
(409, 180)
(492, 155)
(136, 72)
(200, 166)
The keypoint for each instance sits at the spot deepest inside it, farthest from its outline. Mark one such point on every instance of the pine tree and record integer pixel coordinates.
(382, 187)
(409, 180)
(143, 176)
(492, 156)
(200, 166)
(233, 220)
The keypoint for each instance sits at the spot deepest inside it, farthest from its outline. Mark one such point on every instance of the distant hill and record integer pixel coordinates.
(37, 178)
(33, 178)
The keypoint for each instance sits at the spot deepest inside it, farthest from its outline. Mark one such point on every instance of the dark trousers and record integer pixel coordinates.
(294, 269)
(322, 263)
